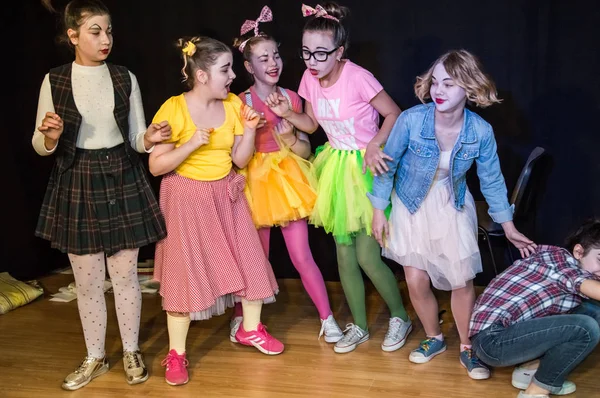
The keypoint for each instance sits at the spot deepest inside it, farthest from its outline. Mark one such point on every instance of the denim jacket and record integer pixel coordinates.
(416, 154)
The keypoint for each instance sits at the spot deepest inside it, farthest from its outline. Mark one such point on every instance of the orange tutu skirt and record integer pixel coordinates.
(279, 188)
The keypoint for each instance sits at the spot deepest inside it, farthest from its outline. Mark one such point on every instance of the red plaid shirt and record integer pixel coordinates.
(545, 283)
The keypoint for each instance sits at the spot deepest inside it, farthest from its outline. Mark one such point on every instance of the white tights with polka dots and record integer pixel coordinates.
(90, 272)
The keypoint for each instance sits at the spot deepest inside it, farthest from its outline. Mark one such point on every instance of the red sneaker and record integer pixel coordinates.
(260, 339)
(176, 373)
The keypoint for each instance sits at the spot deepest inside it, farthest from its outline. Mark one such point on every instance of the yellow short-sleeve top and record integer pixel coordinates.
(212, 161)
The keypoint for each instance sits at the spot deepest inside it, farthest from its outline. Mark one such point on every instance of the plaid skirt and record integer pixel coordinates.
(102, 203)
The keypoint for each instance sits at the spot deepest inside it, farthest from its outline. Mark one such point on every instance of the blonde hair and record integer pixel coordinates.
(467, 72)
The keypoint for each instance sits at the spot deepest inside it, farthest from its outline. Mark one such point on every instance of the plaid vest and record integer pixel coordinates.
(64, 105)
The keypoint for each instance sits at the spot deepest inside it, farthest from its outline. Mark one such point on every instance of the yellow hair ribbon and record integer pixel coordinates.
(189, 49)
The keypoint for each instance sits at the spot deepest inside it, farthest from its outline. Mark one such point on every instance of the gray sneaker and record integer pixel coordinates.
(396, 335)
(331, 330)
(353, 336)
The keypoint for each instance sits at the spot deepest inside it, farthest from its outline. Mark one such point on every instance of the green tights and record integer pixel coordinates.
(364, 252)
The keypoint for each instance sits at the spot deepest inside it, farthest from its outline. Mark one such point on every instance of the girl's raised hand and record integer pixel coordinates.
(158, 132)
(249, 116)
(285, 130)
(201, 137)
(52, 126)
(262, 121)
(278, 104)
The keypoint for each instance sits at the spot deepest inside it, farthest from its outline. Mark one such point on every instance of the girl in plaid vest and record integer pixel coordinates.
(99, 206)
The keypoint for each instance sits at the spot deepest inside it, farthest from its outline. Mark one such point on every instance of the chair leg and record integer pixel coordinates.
(486, 237)
(510, 252)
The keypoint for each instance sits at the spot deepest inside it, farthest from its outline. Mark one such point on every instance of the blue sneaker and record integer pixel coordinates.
(475, 368)
(427, 350)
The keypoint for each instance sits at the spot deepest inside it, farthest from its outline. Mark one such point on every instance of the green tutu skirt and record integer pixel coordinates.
(342, 207)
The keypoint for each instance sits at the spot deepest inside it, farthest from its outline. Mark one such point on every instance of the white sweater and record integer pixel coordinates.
(94, 97)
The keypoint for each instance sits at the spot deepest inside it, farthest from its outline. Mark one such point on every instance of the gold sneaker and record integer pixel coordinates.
(89, 369)
(135, 369)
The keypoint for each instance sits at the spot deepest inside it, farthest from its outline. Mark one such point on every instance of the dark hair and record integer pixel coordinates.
(75, 14)
(340, 34)
(587, 235)
(205, 52)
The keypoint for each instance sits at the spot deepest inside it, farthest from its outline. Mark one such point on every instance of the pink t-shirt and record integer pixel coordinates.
(265, 140)
(343, 110)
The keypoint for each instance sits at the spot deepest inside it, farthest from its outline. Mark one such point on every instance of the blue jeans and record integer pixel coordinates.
(590, 308)
(561, 342)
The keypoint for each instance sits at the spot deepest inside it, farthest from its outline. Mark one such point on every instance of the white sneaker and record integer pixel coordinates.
(523, 395)
(331, 330)
(353, 336)
(234, 325)
(521, 378)
(396, 335)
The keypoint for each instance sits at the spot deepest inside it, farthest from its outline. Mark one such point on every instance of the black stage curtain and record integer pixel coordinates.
(542, 54)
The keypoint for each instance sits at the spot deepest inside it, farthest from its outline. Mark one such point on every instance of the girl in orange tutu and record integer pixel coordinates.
(280, 181)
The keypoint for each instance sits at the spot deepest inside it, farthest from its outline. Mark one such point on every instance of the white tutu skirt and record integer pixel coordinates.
(437, 238)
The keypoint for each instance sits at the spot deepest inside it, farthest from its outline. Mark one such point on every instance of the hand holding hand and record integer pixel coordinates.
(158, 132)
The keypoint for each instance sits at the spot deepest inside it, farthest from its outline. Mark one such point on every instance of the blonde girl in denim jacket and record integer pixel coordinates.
(432, 229)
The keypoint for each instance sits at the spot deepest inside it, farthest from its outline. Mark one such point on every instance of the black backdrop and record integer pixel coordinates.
(543, 55)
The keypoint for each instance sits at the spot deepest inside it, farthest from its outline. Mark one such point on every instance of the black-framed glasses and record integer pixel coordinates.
(320, 56)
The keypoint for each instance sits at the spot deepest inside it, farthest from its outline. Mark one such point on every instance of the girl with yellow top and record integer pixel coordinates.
(212, 256)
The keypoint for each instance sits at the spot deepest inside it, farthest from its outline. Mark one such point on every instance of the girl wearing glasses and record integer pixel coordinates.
(346, 101)
(280, 187)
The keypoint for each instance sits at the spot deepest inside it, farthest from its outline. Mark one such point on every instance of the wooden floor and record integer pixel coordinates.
(42, 342)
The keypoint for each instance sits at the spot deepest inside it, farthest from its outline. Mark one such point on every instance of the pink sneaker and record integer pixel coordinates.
(176, 373)
(260, 339)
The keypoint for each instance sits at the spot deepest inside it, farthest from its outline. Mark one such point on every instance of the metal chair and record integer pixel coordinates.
(523, 197)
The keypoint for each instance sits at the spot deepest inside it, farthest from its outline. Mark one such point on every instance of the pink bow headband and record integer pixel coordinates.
(318, 12)
(265, 16)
